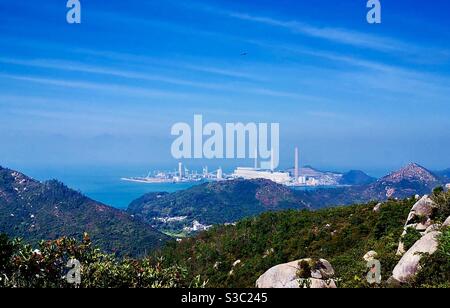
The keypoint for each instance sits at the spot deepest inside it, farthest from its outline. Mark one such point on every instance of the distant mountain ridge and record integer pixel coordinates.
(410, 180)
(330, 178)
(230, 201)
(356, 177)
(44, 211)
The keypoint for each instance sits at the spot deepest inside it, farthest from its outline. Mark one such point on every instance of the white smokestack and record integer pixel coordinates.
(272, 162)
(180, 170)
(296, 172)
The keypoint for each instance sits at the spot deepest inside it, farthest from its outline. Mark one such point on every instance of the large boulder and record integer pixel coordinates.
(280, 276)
(287, 275)
(371, 255)
(419, 218)
(422, 209)
(377, 207)
(409, 265)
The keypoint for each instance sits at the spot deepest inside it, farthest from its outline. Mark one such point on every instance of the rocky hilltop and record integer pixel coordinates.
(410, 180)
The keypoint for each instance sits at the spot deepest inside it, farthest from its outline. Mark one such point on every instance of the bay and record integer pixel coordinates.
(104, 184)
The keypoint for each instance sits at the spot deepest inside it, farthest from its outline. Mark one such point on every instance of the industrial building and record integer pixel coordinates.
(272, 175)
(252, 173)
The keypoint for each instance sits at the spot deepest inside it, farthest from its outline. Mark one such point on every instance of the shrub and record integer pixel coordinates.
(21, 267)
(442, 199)
(411, 237)
(435, 269)
(304, 269)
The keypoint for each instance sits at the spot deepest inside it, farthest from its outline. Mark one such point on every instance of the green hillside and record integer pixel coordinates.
(38, 211)
(341, 235)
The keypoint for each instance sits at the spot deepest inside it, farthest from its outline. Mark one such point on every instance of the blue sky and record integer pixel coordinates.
(106, 92)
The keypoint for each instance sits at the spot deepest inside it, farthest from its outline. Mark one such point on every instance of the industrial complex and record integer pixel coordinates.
(297, 176)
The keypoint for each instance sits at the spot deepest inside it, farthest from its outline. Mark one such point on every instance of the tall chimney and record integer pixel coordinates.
(296, 172)
(272, 160)
(180, 170)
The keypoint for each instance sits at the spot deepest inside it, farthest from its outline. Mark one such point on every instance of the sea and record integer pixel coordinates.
(104, 184)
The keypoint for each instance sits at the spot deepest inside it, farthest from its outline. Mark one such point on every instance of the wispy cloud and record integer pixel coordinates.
(191, 66)
(337, 35)
(432, 79)
(385, 44)
(79, 67)
(107, 87)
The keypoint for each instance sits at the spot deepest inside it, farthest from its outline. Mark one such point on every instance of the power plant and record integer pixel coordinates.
(272, 175)
(297, 176)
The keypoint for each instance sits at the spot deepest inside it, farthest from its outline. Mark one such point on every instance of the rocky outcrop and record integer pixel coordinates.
(371, 255)
(377, 208)
(305, 273)
(419, 218)
(235, 263)
(447, 223)
(423, 208)
(409, 265)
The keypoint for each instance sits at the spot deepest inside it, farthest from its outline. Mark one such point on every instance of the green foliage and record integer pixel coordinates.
(442, 199)
(21, 267)
(341, 235)
(304, 269)
(435, 269)
(214, 203)
(438, 190)
(444, 243)
(411, 237)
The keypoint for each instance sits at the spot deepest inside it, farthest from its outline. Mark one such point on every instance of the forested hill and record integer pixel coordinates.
(216, 203)
(39, 211)
(235, 256)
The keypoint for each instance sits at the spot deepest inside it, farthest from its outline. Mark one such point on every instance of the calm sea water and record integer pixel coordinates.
(104, 184)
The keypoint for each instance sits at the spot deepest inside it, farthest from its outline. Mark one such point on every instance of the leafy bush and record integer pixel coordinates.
(304, 269)
(410, 238)
(442, 199)
(435, 269)
(22, 267)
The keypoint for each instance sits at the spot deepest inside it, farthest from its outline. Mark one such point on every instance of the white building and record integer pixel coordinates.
(253, 174)
(312, 182)
(302, 180)
(447, 186)
(220, 174)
